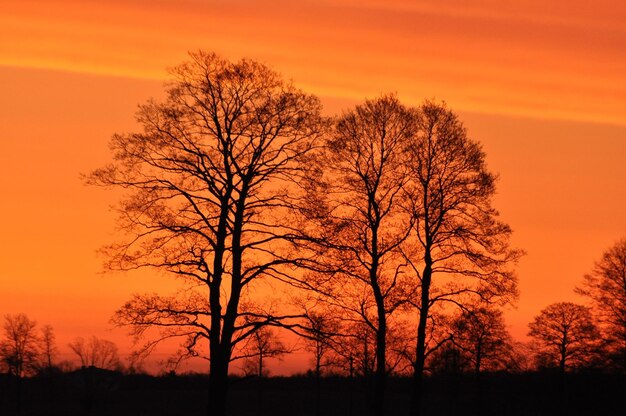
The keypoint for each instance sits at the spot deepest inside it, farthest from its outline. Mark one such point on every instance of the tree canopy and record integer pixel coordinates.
(237, 179)
(210, 182)
(566, 333)
(606, 287)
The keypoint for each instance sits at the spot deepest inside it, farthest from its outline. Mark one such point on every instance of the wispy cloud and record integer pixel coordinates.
(542, 59)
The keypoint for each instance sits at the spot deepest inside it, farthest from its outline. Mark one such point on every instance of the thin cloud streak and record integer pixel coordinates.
(523, 59)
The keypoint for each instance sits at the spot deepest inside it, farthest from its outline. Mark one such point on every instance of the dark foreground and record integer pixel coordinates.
(98, 392)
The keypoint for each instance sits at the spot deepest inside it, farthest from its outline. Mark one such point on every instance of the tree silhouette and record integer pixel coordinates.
(211, 181)
(566, 333)
(19, 350)
(323, 328)
(260, 346)
(48, 347)
(481, 335)
(606, 287)
(362, 223)
(355, 351)
(320, 338)
(461, 248)
(96, 352)
(447, 360)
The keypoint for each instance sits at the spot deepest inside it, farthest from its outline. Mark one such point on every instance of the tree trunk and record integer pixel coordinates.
(380, 375)
(562, 362)
(18, 394)
(260, 385)
(479, 388)
(380, 372)
(478, 360)
(318, 371)
(218, 370)
(418, 368)
(220, 348)
(350, 398)
(218, 388)
(366, 357)
(420, 350)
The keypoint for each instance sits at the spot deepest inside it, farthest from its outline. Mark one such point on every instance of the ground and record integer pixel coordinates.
(96, 393)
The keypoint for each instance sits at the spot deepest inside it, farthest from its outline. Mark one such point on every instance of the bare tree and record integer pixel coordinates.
(606, 287)
(48, 346)
(354, 352)
(19, 350)
(461, 248)
(323, 329)
(362, 223)
(96, 352)
(211, 181)
(448, 359)
(566, 333)
(480, 334)
(260, 346)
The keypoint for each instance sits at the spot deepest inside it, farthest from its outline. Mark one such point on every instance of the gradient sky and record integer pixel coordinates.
(541, 84)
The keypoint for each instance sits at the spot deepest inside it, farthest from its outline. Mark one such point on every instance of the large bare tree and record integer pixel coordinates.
(461, 249)
(362, 222)
(606, 287)
(210, 182)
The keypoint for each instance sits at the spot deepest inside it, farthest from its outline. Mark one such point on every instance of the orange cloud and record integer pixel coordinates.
(558, 60)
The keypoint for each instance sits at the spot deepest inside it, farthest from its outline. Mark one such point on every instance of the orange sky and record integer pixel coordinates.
(542, 86)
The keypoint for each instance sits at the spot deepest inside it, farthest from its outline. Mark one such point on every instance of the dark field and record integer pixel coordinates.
(107, 393)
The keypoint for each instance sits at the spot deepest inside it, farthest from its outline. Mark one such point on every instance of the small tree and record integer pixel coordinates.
(96, 352)
(606, 287)
(481, 335)
(322, 328)
(447, 360)
(262, 345)
(321, 333)
(19, 350)
(48, 346)
(566, 334)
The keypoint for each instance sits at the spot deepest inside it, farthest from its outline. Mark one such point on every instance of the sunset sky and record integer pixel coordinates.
(541, 84)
